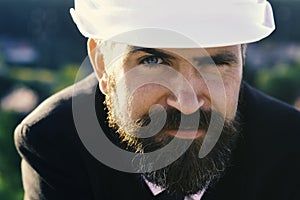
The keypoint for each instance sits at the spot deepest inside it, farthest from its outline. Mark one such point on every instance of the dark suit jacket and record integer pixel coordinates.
(56, 165)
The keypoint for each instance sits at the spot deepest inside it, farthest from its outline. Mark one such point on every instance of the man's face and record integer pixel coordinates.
(182, 79)
(142, 84)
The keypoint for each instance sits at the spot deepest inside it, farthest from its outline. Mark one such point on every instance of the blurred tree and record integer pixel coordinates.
(282, 81)
(44, 82)
(10, 178)
(65, 77)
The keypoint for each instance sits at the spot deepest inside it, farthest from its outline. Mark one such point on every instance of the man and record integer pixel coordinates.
(166, 114)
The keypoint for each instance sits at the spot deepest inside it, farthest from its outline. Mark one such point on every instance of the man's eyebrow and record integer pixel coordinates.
(218, 59)
(152, 51)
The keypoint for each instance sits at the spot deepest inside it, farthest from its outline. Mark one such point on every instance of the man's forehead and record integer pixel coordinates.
(132, 49)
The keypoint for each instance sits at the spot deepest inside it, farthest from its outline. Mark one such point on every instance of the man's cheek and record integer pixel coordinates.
(144, 98)
(232, 95)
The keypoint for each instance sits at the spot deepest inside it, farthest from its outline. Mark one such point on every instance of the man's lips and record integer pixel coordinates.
(186, 134)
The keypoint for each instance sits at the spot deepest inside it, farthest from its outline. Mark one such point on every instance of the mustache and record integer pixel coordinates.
(176, 120)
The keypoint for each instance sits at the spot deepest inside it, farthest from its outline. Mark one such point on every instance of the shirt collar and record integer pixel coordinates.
(156, 189)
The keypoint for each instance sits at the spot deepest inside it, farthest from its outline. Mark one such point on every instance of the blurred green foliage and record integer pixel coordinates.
(42, 81)
(66, 75)
(10, 181)
(281, 81)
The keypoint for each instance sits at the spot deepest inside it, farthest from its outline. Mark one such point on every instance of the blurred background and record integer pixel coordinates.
(41, 50)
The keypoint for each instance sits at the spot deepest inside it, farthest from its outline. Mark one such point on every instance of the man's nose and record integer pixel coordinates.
(185, 102)
(187, 95)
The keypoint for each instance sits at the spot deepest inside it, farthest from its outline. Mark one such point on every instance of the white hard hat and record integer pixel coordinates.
(175, 24)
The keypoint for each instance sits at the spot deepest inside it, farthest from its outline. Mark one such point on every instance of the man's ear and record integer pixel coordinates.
(97, 61)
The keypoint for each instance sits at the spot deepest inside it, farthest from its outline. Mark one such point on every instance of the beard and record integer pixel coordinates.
(188, 174)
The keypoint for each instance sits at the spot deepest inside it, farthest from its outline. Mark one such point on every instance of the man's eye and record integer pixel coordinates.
(221, 63)
(152, 60)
